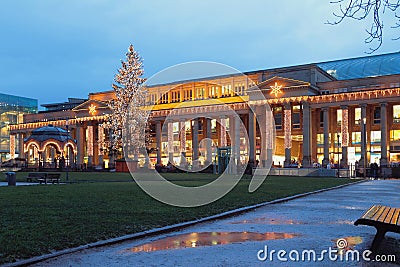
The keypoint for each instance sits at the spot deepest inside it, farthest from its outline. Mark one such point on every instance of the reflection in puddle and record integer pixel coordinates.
(207, 239)
(351, 242)
(264, 220)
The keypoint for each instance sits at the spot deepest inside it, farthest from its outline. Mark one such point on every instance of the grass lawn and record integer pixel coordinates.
(36, 220)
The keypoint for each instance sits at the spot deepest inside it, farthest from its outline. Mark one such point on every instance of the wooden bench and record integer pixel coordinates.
(50, 177)
(384, 219)
(35, 176)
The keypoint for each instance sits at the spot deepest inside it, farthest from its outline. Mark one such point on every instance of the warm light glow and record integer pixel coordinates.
(269, 130)
(276, 89)
(288, 128)
(90, 141)
(92, 109)
(101, 140)
(12, 146)
(345, 127)
(365, 120)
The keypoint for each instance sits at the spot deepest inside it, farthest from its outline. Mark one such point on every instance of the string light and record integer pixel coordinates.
(90, 141)
(12, 146)
(345, 127)
(182, 133)
(101, 138)
(170, 138)
(288, 128)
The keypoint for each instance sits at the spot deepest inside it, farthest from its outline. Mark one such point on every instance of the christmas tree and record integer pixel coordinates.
(129, 119)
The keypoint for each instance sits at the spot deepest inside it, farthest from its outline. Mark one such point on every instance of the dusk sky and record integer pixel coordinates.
(51, 50)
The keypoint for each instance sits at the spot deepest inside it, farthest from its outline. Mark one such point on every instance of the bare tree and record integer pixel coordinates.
(369, 9)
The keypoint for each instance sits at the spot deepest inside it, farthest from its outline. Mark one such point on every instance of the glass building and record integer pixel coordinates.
(12, 109)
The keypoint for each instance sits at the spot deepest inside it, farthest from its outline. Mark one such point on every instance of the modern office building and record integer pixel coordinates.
(331, 112)
(12, 109)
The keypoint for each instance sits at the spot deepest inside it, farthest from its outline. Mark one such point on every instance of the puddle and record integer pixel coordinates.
(192, 240)
(347, 243)
(264, 220)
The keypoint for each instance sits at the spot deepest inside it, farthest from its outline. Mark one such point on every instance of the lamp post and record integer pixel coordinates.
(67, 158)
(364, 144)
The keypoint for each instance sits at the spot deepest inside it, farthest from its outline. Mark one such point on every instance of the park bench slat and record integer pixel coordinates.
(383, 214)
(378, 213)
(389, 216)
(395, 216)
(371, 212)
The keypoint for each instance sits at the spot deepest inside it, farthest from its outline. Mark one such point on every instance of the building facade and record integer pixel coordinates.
(317, 116)
(12, 109)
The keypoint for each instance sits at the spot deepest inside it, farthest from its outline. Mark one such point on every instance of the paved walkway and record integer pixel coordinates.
(18, 183)
(312, 222)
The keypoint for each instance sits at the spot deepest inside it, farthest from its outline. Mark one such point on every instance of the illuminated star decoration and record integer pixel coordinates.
(92, 109)
(276, 89)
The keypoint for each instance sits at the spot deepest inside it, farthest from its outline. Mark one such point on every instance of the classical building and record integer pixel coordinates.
(335, 112)
(12, 109)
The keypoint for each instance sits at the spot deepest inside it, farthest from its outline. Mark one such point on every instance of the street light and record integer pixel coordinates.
(364, 144)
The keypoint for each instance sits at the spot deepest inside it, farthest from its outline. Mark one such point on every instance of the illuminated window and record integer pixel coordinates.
(187, 95)
(357, 116)
(226, 90)
(213, 92)
(356, 138)
(375, 136)
(175, 96)
(338, 139)
(320, 139)
(200, 93)
(339, 117)
(395, 135)
(214, 126)
(396, 113)
(239, 89)
(164, 98)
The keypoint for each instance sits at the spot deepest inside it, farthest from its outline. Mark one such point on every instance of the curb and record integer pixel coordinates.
(169, 228)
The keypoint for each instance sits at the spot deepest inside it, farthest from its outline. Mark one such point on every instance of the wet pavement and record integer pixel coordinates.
(18, 183)
(318, 222)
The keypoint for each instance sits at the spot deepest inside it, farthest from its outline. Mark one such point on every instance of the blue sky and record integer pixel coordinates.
(53, 49)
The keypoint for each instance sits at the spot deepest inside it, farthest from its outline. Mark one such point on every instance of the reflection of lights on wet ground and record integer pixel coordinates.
(207, 239)
(351, 242)
(264, 220)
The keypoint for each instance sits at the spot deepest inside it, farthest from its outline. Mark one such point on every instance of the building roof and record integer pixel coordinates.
(362, 67)
(49, 132)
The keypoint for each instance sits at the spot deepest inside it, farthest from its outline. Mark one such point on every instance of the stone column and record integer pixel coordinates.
(209, 141)
(237, 124)
(222, 133)
(384, 155)
(21, 151)
(363, 136)
(345, 135)
(158, 141)
(262, 120)
(306, 162)
(170, 142)
(80, 145)
(269, 137)
(252, 138)
(195, 143)
(325, 161)
(182, 138)
(287, 121)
